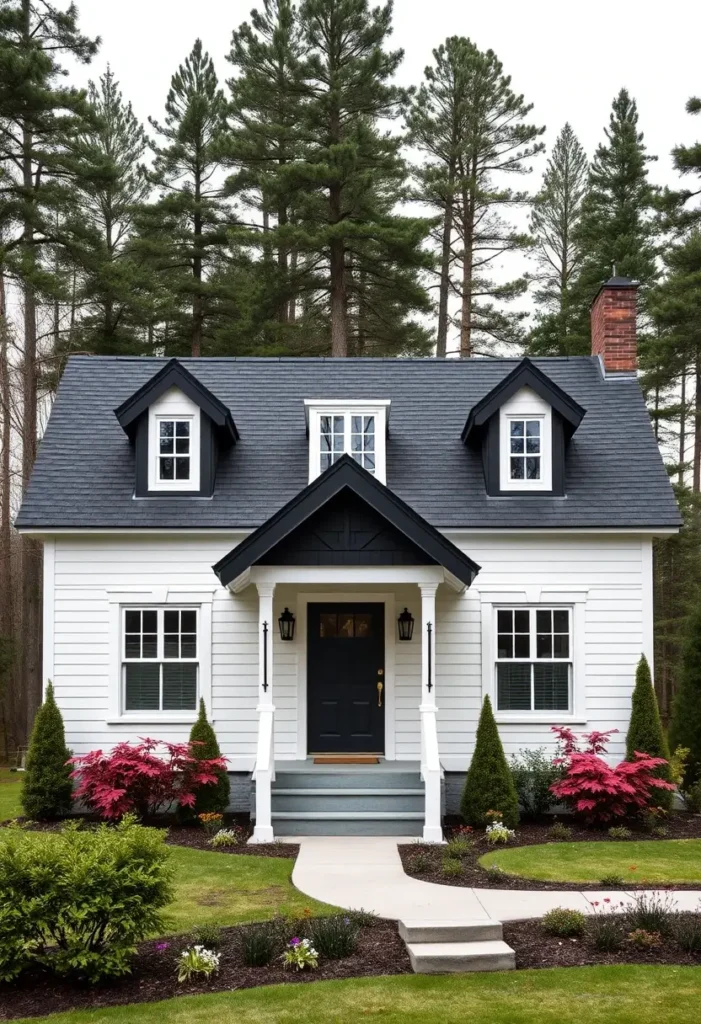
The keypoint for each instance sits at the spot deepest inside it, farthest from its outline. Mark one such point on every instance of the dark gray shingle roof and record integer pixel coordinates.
(84, 475)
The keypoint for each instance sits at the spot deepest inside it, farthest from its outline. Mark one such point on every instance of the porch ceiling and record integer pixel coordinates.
(347, 519)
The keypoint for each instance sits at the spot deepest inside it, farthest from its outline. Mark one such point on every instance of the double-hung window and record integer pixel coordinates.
(160, 666)
(534, 659)
(525, 449)
(174, 452)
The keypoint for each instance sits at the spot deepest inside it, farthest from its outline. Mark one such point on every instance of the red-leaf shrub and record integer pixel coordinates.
(591, 787)
(142, 778)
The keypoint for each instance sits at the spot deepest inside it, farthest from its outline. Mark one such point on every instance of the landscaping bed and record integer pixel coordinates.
(380, 951)
(428, 862)
(195, 837)
(535, 948)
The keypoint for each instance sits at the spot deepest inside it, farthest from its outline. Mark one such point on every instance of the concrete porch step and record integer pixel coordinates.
(440, 931)
(348, 823)
(370, 777)
(365, 801)
(461, 957)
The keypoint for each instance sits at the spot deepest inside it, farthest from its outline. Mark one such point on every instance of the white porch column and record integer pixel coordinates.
(265, 756)
(430, 761)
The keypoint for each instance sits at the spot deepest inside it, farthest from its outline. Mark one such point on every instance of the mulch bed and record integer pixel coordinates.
(380, 952)
(679, 825)
(535, 948)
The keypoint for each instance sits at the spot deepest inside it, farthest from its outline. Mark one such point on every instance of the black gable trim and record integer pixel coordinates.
(174, 374)
(346, 475)
(526, 374)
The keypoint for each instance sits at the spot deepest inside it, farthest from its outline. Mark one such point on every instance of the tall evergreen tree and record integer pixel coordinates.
(554, 221)
(40, 116)
(46, 785)
(685, 728)
(473, 128)
(184, 234)
(209, 799)
(113, 146)
(264, 136)
(616, 232)
(349, 162)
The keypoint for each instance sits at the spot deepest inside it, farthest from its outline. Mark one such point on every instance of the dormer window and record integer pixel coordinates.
(354, 428)
(174, 450)
(174, 443)
(525, 431)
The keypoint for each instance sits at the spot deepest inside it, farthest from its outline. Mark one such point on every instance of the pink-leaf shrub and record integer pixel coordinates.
(143, 778)
(592, 788)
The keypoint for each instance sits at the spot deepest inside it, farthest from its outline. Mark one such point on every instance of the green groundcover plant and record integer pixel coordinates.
(80, 900)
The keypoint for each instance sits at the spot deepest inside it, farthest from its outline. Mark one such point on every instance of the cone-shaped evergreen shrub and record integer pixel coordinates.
(47, 787)
(645, 732)
(685, 730)
(489, 785)
(209, 798)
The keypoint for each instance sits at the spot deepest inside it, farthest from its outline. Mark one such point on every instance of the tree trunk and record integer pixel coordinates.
(682, 429)
(442, 334)
(197, 310)
(339, 331)
(7, 591)
(697, 426)
(292, 311)
(282, 262)
(466, 310)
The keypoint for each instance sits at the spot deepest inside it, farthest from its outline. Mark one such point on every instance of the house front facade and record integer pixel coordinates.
(343, 557)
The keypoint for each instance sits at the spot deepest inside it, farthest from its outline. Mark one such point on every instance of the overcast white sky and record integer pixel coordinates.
(568, 59)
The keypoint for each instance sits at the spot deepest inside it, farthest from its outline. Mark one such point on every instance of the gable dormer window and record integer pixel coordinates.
(525, 442)
(350, 427)
(174, 443)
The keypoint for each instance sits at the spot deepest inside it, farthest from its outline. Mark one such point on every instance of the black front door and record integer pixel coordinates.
(345, 664)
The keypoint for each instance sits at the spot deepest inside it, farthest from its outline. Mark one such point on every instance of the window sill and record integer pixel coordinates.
(538, 719)
(134, 718)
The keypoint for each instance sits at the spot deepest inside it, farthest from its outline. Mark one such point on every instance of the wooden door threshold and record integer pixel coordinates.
(346, 759)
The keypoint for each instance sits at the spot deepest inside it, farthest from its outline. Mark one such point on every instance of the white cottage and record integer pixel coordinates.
(342, 557)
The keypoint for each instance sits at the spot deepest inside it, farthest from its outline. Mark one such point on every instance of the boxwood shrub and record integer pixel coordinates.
(79, 900)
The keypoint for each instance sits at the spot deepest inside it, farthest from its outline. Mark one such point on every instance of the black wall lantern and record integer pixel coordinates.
(406, 625)
(286, 622)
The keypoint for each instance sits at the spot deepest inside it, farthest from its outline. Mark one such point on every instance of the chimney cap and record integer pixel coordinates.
(615, 282)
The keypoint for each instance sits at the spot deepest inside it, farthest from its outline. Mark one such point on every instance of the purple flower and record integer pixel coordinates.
(160, 946)
(295, 941)
(346, 920)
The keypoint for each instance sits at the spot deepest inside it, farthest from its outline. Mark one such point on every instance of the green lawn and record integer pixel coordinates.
(597, 995)
(10, 783)
(224, 889)
(664, 860)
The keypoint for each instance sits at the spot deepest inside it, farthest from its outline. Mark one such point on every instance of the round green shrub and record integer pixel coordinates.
(564, 923)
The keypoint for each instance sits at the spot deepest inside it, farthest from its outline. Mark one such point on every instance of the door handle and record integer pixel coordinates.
(380, 688)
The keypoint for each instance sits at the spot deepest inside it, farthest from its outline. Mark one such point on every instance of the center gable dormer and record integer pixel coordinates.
(179, 429)
(522, 427)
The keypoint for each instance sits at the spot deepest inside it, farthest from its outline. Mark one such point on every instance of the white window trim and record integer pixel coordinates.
(522, 407)
(316, 408)
(573, 598)
(173, 405)
(162, 598)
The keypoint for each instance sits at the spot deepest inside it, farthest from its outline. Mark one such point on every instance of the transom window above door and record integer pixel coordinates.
(354, 428)
(534, 659)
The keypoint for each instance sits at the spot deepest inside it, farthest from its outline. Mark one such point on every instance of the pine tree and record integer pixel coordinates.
(184, 236)
(472, 126)
(208, 798)
(554, 221)
(113, 147)
(489, 785)
(685, 728)
(616, 232)
(342, 220)
(40, 116)
(264, 118)
(46, 784)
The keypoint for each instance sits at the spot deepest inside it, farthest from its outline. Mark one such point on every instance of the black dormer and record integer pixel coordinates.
(530, 458)
(177, 440)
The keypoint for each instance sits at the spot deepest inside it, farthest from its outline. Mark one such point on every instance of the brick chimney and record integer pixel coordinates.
(613, 325)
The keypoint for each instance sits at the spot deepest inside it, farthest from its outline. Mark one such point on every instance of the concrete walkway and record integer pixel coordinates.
(366, 873)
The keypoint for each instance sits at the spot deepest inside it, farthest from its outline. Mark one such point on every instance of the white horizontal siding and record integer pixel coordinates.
(616, 612)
